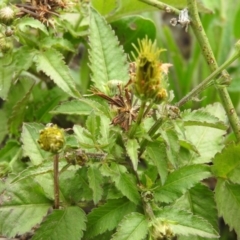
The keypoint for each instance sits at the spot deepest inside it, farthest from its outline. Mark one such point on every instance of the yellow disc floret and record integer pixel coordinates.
(149, 78)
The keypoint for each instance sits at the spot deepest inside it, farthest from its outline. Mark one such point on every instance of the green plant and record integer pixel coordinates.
(125, 161)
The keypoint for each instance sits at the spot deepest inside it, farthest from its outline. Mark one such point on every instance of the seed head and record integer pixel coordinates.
(51, 138)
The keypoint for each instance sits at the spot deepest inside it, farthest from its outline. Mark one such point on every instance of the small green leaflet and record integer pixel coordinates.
(199, 200)
(132, 147)
(180, 181)
(185, 223)
(128, 187)
(29, 137)
(107, 60)
(227, 196)
(106, 217)
(95, 180)
(31, 22)
(157, 153)
(68, 223)
(227, 164)
(7, 68)
(133, 227)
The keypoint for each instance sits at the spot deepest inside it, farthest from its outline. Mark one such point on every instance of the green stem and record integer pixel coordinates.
(204, 83)
(138, 121)
(151, 132)
(56, 181)
(208, 54)
(162, 6)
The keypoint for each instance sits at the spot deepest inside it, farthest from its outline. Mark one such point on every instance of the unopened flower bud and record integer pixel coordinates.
(7, 15)
(51, 138)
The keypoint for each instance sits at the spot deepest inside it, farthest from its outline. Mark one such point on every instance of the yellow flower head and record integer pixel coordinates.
(149, 79)
(51, 138)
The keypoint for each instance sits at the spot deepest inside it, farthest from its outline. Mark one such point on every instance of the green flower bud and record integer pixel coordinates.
(7, 15)
(51, 138)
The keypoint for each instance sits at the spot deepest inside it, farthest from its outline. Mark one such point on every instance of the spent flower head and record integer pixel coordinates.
(149, 74)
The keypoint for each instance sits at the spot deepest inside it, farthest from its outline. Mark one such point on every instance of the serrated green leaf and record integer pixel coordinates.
(81, 106)
(60, 43)
(83, 137)
(7, 68)
(227, 196)
(92, 124)
(132, 147)
(199, 200)
(21, 209)
(133, 227)
(127, 184)
(45, 167)
(33, 23)
(207, 140)
(184, 223)
(106, 217)
(68, 223)
(157, 153)
(23, 59)
(95, 180)
(18, 112)
(188, 145)
(52, 64)
(227, 164)
(179, 181)
(107, 60)
(201, 117)
(29, 137)
(74, 186)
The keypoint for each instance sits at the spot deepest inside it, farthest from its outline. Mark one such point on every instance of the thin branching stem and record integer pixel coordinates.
(199, 88)
(138, 121)
(162, 6)
(209, 56)
(56, 181)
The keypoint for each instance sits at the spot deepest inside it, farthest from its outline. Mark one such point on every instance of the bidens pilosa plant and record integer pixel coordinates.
(121, 159)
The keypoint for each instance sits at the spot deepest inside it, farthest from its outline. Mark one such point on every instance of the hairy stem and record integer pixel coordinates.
(151, 132)
(208, 54)
(138, 121)
(162, 6)
(56, 181)
(204, 83)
